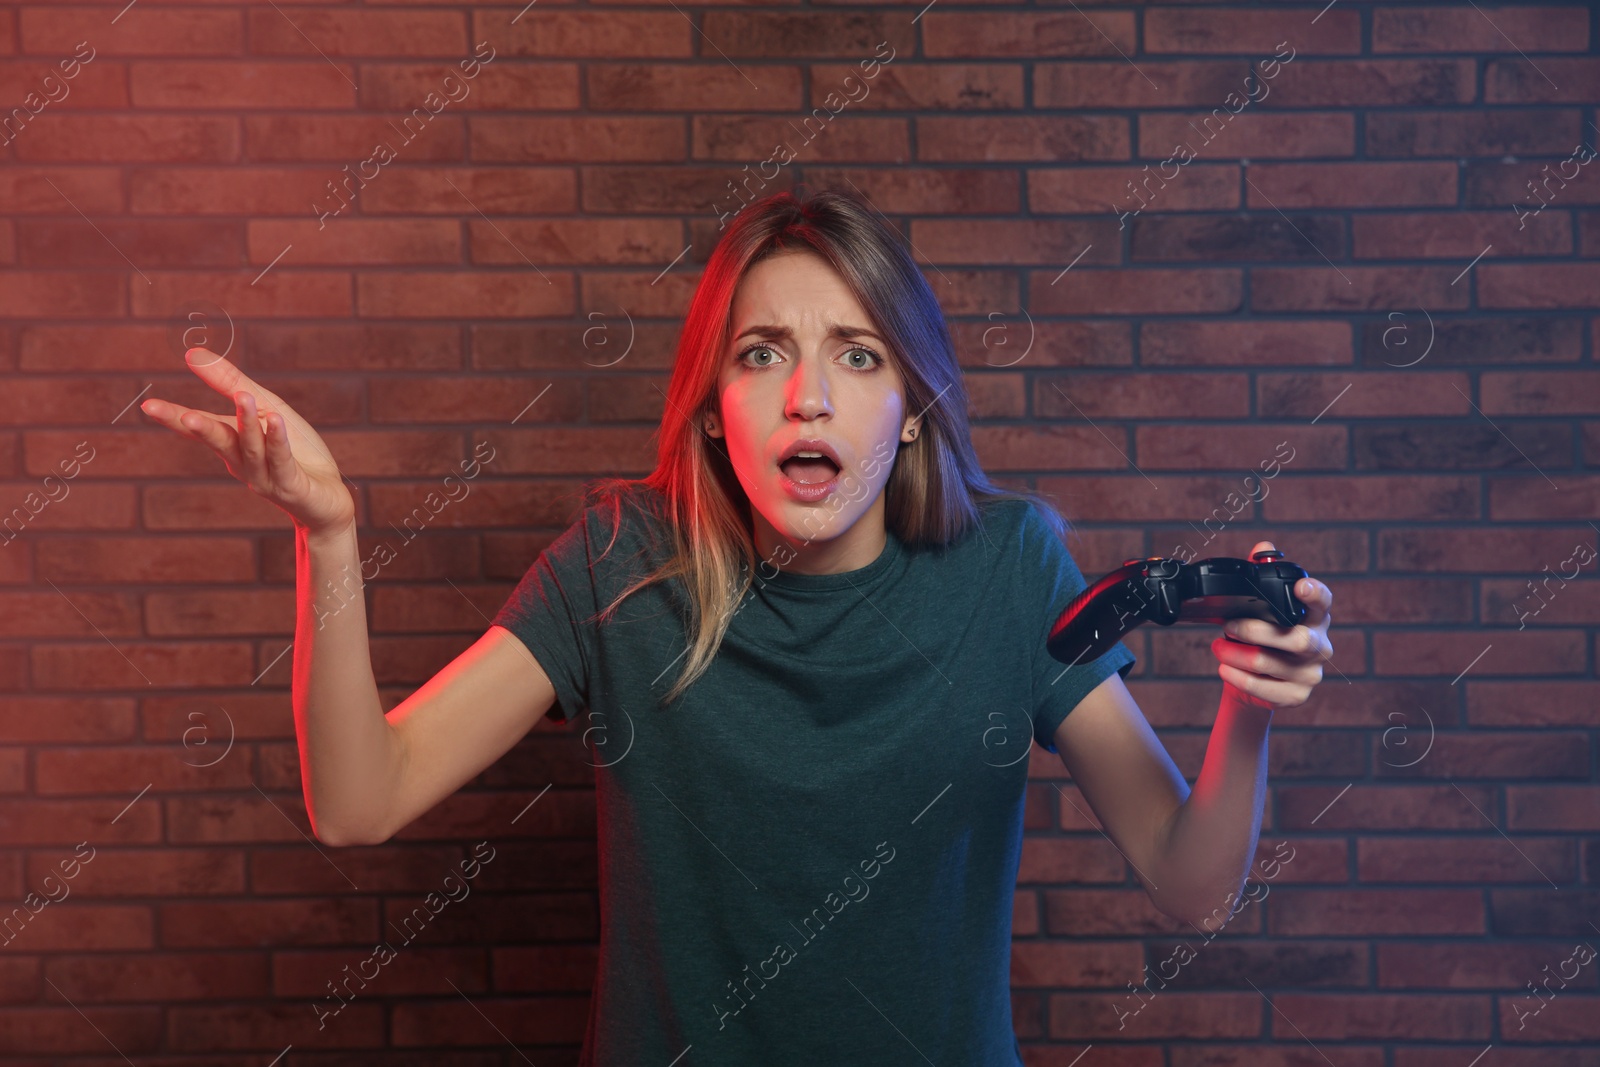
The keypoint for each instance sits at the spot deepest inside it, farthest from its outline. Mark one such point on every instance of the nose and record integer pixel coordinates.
(806, 396)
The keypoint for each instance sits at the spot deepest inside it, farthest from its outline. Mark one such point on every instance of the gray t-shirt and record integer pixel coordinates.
(810, 857)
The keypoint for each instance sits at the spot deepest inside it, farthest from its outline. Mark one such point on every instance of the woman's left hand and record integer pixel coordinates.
(1270, 666)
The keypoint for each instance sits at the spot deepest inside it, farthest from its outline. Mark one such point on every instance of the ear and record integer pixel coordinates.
(911, 431)
(711, 424)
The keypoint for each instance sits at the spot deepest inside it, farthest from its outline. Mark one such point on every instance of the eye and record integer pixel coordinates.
(874, 360)
(755, 347)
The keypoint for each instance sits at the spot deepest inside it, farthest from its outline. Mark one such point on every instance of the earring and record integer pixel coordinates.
(913, 431)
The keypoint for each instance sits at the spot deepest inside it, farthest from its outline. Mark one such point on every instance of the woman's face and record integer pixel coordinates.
(804, 362)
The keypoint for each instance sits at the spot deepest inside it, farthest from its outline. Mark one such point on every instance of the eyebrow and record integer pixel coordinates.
(835, 330)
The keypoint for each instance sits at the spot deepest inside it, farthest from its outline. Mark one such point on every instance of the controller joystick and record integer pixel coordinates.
(1168, 591)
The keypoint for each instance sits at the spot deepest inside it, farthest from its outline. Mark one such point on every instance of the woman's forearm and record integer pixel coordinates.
(347, 748)
(1212, 836)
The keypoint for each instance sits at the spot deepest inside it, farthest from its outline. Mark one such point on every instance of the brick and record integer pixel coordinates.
(125, 771)
(946, 191)
(206, 924)
(1553, 807)
(1529, 188)
(1542, 912)
(1204, 83)
(1354, 288)
(413, 400)
(1252, 134)
(1247, 342)
(1048, 963)
(135, 139)
(167, 976)
(1460, 859)
(280, 292)
(1375, 913)
(1237, 238)
(856, 139)
(1465, 447)
(1531, 392)
(485, 294)
(1023, 139)
(148, 243)
(212, 1028)
(468, 190)
(1249, 31)
(236, 86)
(1540, 703)
(1451, 653)
(1033, 34)
(226, 191)
(1555, 81)
(586, 241)
(412, 138)
(1485, 549)
(100, 83)
(613, 340)
(1589, 233)
(1112, 395)
(1091, 190)
(359, 33)
(1089, 1017)
(675, 87)
(354, 241)
(1252, 448)
(1002, 343)
(63, 294)
(1069, 859)
(1134, 292)
(1537, 600)
(1374, 83)
(1473, 133)
(1133, 499)
(165, 664)
(1460, 29)
(1372, 498)
(1456, 234)
(1500, 755)
(1034, 241)
(145, 873)
(1529, 496)
(1401, 338)
(853, 35)
(30, 719)
(497, 87)
(582, 34)
(156, 32)
(590, 139)
(26, 191)
(1389, 599)
(933, 87)
(1301, 185)
(1562, 285)
(1399, 1017)
(1497, 966)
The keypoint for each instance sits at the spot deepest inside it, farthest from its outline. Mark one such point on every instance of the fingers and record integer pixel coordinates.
(1264, 692)
(252, 444)
(1303, 669)
(210, 430)
(223, 376)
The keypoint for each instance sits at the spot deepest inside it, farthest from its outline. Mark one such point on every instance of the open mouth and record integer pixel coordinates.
(809, 469)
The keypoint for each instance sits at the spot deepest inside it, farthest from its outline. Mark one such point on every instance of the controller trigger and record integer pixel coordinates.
(1266, 555)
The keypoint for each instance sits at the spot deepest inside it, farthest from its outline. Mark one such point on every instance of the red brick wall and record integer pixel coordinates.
(1385, 263)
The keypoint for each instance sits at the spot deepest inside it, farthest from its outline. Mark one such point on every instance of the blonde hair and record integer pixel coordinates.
(935, 487)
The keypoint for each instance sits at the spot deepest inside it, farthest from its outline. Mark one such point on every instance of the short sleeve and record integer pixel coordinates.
(550, 609)
(1050, 579)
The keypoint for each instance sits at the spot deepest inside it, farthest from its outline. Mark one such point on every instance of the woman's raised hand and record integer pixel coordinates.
(303, 481)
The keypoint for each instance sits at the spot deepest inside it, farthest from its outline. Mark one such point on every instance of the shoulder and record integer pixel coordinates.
(1022, 523)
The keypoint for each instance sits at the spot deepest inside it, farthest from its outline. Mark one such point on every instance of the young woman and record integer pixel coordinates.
(808, 653)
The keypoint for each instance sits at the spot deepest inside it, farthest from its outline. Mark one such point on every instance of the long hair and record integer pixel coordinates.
(935, 487)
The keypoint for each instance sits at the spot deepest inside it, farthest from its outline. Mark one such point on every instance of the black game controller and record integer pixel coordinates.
(1168, 591)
